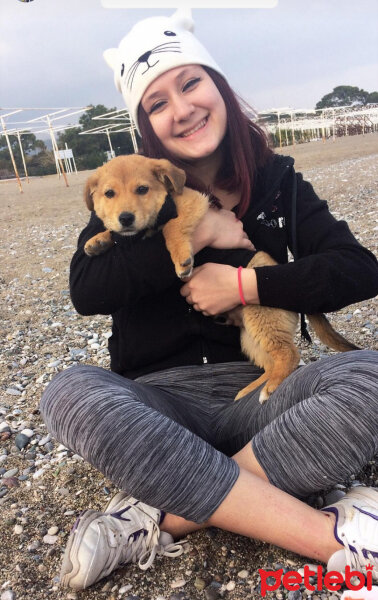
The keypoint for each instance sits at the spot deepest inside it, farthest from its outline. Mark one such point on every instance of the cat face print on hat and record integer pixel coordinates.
(152, 47)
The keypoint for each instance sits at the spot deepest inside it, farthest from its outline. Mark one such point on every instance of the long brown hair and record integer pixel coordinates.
(246, 147)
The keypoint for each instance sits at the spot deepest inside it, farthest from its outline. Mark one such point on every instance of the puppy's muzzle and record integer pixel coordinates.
(126, 219)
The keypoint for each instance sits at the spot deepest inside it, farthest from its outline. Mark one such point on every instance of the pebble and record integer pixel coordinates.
(10, 482)
(8, 595)
(50, 539)
(53, 530)
(18, 529)
(199, 584)
(243, 574)
(28, 432)
(125, 588)
(177, 583)
(211, 593)
(21, 441)
(13, 392)
(10, 473)
(230, 586)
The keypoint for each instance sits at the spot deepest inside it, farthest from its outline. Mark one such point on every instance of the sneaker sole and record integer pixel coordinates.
(71, 568)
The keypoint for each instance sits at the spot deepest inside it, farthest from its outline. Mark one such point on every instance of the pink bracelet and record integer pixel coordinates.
(240, 287)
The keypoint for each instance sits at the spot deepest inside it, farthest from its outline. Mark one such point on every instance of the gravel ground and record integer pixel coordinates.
(42, 485)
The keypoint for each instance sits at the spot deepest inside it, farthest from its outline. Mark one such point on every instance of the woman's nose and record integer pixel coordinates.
(182, 109)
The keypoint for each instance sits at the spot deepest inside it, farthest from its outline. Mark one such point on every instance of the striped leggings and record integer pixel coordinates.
(167, 438)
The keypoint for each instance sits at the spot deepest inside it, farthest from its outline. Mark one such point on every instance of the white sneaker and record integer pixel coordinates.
(356, 528)
(100, 542)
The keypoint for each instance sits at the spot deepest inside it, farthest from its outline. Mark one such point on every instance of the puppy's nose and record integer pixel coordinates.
(126, 219)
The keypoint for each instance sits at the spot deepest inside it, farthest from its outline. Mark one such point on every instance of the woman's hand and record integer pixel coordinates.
(213, 288)
(220, 229)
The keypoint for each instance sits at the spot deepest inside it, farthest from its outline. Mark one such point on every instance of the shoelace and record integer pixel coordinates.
(146, 545)
(360, 558)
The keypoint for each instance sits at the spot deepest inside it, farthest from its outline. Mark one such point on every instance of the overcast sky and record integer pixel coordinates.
(290, 55)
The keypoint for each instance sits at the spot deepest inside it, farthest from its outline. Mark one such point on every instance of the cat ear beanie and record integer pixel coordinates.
(152, 47)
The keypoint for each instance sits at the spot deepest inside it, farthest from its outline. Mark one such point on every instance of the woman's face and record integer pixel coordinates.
(187, 112)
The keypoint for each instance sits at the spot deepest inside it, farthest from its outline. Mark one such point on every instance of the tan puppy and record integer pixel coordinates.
(133, 193)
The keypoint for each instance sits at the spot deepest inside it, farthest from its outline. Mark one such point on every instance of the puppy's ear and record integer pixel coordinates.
(90, 187)
(172, 177)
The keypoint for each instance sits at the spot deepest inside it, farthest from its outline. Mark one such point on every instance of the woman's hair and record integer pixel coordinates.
(245, 143)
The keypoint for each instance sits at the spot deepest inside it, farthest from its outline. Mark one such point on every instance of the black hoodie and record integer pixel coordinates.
(153, 326)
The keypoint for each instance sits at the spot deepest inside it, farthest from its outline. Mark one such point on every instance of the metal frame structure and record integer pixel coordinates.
(49, 119)
(321, 123)
(123, 123)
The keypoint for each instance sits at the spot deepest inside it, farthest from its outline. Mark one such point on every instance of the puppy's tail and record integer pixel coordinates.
(328, 335)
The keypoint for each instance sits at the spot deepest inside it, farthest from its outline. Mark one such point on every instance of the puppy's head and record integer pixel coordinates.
(128, 192)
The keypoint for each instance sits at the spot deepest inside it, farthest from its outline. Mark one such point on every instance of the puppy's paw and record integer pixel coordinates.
(264, 395)
(181, 271)
(97, 246)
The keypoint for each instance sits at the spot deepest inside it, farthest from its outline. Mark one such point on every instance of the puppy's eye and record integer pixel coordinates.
(110, 193)
(142, 189)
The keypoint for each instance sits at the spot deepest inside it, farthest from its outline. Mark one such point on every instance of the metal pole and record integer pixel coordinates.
(23, 157)
(292, 128)
(110, 144)
(55, 147)
(279, 129)
(11, 154)
(133, 139)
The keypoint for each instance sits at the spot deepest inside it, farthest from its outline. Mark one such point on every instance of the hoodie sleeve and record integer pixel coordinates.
(333, 269)
(132, 268)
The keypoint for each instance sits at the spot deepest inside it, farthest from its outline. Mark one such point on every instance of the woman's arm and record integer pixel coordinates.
(333, 269)
(135, 268)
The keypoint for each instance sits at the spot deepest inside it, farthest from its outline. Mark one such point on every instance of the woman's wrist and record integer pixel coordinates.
(202, 236)
(247, 286)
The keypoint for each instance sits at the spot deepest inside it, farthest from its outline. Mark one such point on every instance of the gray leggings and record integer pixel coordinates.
(167, 438)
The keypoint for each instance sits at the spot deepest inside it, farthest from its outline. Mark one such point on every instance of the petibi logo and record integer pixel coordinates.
(333, 580)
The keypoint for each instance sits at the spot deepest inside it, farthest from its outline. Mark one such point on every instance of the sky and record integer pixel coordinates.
(287, 56)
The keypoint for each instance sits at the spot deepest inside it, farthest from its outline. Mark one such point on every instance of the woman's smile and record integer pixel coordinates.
(190, 133)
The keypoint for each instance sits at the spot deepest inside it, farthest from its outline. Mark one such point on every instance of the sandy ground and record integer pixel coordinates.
(45, 486)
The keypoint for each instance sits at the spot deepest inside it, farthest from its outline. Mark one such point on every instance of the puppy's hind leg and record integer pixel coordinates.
(285, 361)
(252, 386)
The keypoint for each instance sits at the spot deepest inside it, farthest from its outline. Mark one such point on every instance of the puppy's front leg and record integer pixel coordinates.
(98, 244)
(191, 207)
(179, 247)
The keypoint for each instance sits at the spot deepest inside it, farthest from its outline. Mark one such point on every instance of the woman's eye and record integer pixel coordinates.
(110, 193)
(191, 83)
(141, 190)
(156, 107)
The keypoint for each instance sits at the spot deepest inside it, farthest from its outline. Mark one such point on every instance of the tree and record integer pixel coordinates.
(345, 95)
(33, 150)
(90, 150)
(372, 98)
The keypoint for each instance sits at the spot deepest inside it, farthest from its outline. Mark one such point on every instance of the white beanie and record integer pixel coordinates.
(152, 47)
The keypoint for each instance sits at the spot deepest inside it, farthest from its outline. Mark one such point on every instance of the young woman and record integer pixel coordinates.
(183, 453)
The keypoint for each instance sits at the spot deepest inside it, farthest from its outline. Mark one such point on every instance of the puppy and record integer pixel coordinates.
(133, 194)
